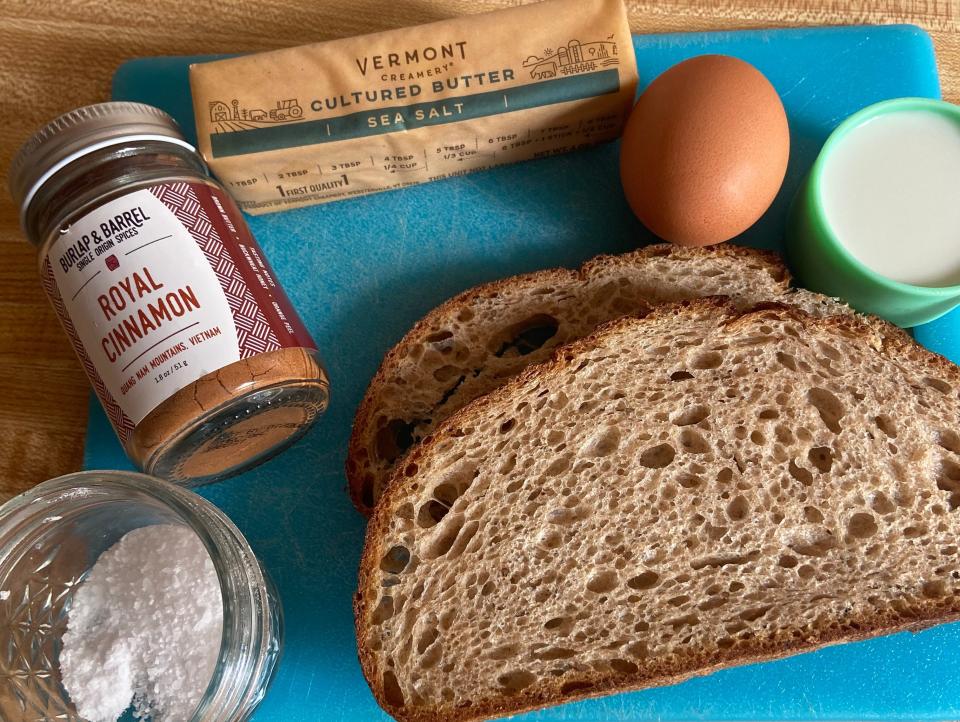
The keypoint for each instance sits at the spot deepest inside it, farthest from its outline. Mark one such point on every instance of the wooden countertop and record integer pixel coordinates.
(60, 55)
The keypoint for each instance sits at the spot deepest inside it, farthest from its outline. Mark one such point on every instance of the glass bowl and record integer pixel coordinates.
(51, 536)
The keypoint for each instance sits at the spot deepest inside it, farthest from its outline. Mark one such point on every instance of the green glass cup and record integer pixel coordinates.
(822, 263)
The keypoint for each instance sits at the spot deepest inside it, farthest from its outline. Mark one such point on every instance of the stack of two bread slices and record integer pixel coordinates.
(592, 505)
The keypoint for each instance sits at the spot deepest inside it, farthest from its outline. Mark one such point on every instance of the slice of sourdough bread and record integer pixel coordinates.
(695, 489)
(474, 342)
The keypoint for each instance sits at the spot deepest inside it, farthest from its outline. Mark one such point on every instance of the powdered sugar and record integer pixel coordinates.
(144, 628)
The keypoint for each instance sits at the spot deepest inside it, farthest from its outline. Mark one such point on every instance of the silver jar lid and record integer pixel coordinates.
(82, 131)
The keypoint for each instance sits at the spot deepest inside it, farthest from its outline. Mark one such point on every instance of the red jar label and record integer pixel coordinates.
(161, 286)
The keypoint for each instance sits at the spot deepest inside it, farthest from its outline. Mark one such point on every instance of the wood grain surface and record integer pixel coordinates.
(59, 55)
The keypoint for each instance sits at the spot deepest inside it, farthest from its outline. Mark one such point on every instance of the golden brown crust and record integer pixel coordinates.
(888, 340)
(361, 435)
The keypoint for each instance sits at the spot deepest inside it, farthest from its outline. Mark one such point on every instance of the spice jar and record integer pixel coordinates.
(50, 538)
(201, 363)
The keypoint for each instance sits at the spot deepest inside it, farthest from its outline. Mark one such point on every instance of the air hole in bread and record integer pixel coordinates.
(504, 651)
(722, 560)
(690, 481)
(395, 437)
(657, 457)
(812, 514)
(768, 414)
(800, 474)
(886, 425)
(508, 464)
(738, 508)
(462, 539)
(757, 437)
(558, 466)
(830, 408)
(862, 525)
(939, 384)
(715, 533)
(559, 625)
(550, 654)
(687, 620)
(914, 531)
(821, 457)
(395, 560)
(527, 336)
(881, 504)
(562, 516)
(431, 514)
(428, 636)
(787, 360)
(391, 690)
(690, 416)
(724, 475)
(949, 480)
(603, 443)
(934, 589)
(622, 666)
(693, 442)
(949, 475)
(707, 360)
(515, 681)
(446, 493)
(439, 336)
(575, 686)
(384, 610)
(644, 580)
(751, 615)
(829, 351)
(786, 561)
(681, 376)
(949, 440)
(602, 582)
(712, 603)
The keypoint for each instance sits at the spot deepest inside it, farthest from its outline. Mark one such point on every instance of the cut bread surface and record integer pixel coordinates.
(473, 343)
(699, 488)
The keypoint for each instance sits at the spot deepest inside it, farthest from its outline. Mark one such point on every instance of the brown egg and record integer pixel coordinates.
(705, 150)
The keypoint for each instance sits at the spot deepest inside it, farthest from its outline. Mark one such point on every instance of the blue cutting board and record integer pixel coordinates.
(362, 271)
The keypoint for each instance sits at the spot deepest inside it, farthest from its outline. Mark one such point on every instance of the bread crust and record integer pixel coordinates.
(363, 431)
(886, 338)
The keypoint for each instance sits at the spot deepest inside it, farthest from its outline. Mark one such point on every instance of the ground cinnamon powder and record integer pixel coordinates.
(181, 440)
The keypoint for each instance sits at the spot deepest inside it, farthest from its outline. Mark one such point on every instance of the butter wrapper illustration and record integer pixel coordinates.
(348, 117)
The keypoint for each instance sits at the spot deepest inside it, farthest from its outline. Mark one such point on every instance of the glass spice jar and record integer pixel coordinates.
(53, 534)
(200, 362)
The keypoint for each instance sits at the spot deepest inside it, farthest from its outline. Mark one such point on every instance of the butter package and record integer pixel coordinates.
(347, 117)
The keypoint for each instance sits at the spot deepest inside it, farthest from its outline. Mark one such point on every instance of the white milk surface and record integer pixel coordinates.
(891, 194)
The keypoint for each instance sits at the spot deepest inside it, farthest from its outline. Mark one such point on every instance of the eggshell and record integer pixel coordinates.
(705, 150)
